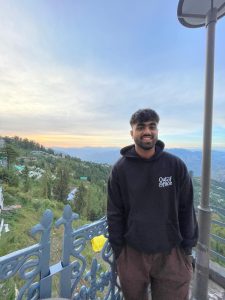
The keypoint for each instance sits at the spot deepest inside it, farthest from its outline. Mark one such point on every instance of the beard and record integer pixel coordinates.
(145, 145)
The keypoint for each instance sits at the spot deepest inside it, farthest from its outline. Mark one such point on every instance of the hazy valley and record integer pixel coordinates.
(193, 158)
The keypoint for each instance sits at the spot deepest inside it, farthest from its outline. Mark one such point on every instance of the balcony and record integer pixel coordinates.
(74, 276)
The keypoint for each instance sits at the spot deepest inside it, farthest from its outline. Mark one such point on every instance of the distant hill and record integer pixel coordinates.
(105, 155)
(217, 194)
(193, 158)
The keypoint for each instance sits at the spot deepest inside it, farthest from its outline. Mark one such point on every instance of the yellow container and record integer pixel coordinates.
(98, 242)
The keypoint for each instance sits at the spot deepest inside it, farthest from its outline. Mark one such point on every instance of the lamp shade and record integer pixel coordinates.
(192, 13)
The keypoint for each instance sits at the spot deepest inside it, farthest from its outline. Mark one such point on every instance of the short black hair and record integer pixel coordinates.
(144, 115)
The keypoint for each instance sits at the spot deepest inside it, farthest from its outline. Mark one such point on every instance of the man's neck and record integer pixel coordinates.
(145, 153)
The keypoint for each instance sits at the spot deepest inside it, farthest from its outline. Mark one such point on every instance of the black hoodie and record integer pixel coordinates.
(150, 203)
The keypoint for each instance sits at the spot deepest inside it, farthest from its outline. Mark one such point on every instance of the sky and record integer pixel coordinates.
(72, 72)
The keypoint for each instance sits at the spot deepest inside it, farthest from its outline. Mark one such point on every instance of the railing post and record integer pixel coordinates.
(45, 228)
(66, 273)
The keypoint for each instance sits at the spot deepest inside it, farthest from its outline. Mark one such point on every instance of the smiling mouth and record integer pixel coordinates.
(147, 138)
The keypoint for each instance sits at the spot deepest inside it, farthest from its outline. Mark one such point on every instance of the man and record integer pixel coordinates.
(151, 219)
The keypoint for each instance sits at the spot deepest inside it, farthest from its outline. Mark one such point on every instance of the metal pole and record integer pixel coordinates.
(200, 287)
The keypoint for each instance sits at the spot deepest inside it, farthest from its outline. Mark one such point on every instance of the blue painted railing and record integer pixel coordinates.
(76, 281)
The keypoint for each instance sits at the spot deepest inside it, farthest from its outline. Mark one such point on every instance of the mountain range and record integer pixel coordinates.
(192, 158)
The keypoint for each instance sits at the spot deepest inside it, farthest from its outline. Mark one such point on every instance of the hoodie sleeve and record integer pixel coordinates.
(187, 217)
(115, 214)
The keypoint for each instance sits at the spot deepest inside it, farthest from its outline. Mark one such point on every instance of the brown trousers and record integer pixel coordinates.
(169, 275)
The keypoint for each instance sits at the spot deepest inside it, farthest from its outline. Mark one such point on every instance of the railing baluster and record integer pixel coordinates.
(66, 273)
(45, 228)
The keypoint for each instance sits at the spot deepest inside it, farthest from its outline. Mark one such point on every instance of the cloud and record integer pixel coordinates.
(52, 99)
(42, 96)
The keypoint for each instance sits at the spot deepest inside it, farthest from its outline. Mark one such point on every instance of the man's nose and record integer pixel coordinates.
(147, 130)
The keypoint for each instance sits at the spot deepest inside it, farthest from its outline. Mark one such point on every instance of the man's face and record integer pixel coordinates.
(145, 134)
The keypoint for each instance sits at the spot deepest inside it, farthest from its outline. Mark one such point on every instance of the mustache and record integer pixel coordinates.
(147, 135)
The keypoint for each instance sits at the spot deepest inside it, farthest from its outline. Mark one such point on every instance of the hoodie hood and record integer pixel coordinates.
(129, 151)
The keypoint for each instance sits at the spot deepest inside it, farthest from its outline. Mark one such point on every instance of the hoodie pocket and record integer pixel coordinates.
(147, 236)
(187, 259)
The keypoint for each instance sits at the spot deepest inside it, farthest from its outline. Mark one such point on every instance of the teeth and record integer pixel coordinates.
(147, 138)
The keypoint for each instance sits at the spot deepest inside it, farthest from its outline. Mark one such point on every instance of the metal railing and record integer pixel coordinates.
(77, 280)
(220, 240)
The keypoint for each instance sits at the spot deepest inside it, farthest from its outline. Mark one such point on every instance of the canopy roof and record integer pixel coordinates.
(192, 13)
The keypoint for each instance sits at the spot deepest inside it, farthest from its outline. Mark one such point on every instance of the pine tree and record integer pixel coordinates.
(10, 153)
(26, 179)
(81, 200)
(46, 183)
(61, 186)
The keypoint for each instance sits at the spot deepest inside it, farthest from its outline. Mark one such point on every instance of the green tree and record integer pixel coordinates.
(26, 179)
(10, 153)
(80, 200)
(46, 183)
(61, 186)
(9, 176)
(90, 201)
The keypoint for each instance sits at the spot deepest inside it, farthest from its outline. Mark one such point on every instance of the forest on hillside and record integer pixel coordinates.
(28, 170)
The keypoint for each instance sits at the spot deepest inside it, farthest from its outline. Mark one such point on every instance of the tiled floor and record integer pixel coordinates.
(216, 292)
